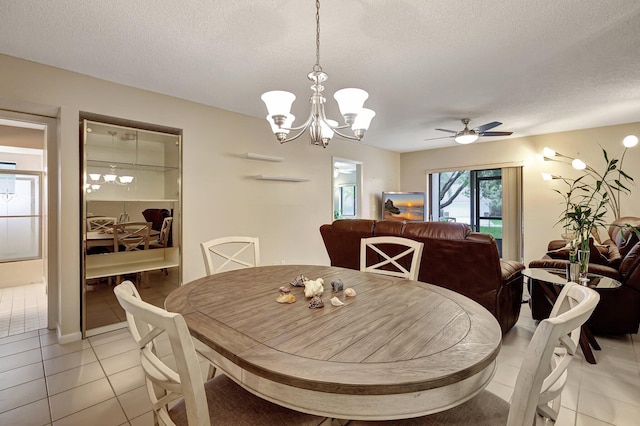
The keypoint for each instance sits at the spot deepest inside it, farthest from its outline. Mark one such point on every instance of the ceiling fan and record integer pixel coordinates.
(467, 135)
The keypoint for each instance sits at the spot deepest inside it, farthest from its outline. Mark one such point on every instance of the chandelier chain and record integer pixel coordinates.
(317, 66)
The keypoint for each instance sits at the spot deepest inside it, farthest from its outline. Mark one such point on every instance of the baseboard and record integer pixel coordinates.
(68, 338)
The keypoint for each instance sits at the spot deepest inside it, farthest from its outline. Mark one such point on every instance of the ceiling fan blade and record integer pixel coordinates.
(448, 131)
(496, 133)
(441, 137)
(487, 126)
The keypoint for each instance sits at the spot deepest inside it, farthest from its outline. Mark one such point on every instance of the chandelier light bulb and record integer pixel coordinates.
(350, 102)
(110, 178)
(546, 176)
(326, 130)
(630, 141)
(125, 179)
(94, 176)
(278, 102)
(578, 164)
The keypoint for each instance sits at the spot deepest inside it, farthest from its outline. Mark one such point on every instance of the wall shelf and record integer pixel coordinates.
(254, 156)
(281, 178)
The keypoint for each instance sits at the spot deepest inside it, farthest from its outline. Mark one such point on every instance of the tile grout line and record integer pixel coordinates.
(109, 381)
(46, 387)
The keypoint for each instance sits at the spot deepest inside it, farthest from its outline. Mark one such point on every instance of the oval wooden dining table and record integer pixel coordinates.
(397, 349)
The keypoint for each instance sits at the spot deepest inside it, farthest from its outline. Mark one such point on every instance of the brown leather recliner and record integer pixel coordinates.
(618, 257)
(453, 257)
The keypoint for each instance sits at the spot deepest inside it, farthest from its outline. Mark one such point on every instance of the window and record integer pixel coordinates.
(476, 197)
(20, 215)
(347, 205)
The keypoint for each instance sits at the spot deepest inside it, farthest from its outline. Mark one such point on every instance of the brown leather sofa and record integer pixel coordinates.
(454, 257)
(618, 257)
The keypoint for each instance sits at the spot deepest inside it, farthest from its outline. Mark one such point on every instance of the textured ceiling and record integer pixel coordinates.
(537, 66)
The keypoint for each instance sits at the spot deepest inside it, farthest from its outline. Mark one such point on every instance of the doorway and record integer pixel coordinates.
(347, 188)
(23, 224)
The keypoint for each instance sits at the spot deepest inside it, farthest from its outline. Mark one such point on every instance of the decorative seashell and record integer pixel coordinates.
(349, 292)
(337, 285)
(285, 289)
(336, 302)
(316, 302)
(313, 287)
(299, 281)
(285, 298)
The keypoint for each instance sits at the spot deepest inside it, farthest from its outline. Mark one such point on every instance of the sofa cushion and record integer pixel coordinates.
(439, 230)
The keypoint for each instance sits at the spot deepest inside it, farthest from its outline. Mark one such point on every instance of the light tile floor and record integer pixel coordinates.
(22, 309)
(98, 381)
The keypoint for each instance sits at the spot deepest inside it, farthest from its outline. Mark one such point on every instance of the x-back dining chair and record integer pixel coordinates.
(163, 237)
(100, 223)
(219, 401)
(542, 376)
(229, 253)
(389, 251)
(131, 236)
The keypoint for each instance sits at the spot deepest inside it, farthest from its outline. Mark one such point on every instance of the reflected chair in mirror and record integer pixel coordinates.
(163, 237)
(542, 376)
(228, 253)
(130, 236)
(100, 223)
(123, 218)
(176, 381)
(393, 256)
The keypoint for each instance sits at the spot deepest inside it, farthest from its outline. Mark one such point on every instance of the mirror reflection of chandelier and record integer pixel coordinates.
(112, 177)
(321, 129)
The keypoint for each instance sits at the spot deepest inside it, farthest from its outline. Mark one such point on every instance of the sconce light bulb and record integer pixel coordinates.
(548, 152)
(630, 141)
(578, 164)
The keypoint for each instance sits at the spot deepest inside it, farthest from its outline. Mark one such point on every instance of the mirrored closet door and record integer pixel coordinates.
(130, 218)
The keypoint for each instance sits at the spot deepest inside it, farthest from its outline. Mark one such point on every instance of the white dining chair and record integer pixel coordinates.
(387, 251)
(163, 237)
(131, 236)
(542, 376)
(219, 401)
(228, 253)
(100, 223)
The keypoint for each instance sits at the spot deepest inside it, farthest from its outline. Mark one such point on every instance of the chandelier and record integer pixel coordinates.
(112, 177)
(321, 129)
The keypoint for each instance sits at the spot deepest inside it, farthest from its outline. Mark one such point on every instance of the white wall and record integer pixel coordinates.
(219, 194)
(542, 206)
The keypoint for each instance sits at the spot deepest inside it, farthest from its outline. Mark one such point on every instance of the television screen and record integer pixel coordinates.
(402, 206)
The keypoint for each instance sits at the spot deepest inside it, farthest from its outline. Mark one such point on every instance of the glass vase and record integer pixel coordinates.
(583, 262)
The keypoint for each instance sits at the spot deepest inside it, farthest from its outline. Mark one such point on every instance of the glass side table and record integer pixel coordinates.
(551, 282)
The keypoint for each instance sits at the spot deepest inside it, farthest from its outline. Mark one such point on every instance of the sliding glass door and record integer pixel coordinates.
(469, 196)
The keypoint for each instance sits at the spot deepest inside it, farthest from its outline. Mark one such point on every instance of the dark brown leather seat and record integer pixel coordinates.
(453, 257)
(618, 257)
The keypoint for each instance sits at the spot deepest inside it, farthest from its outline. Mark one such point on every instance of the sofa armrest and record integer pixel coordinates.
(556, 244)
(595, 268)
(510, 270)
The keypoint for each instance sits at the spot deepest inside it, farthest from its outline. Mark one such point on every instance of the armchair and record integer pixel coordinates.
(618, 257)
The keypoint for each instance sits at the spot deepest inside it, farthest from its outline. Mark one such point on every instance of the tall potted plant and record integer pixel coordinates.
(586, 204)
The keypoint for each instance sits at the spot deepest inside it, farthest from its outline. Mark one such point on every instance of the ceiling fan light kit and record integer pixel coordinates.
(321, 129)
(467, 136)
